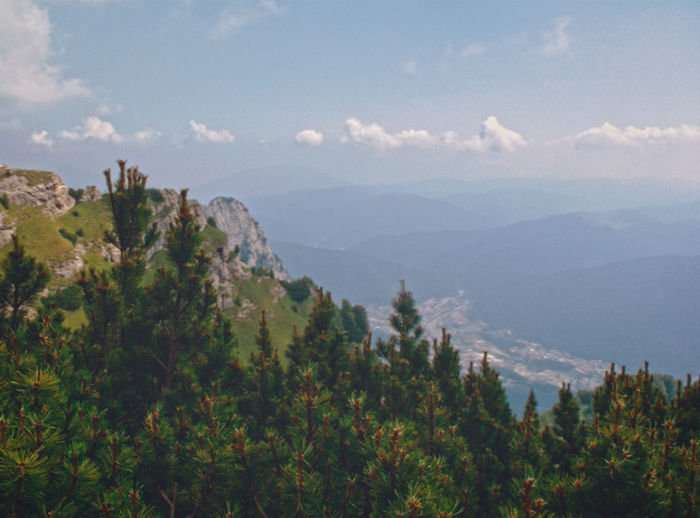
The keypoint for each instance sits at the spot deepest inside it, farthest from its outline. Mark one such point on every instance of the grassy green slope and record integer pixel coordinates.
(262, 293)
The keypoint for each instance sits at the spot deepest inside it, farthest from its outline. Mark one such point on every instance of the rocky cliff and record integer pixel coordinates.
(243, 231)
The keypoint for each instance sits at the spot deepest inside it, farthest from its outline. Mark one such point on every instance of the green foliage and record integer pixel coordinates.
(68, 298)
(211, 222)
(354, 320)
(22, 280)
(5, 201)
(299, 289)
(147, 411)
(319, 344)
(76, 194)
(155, 195)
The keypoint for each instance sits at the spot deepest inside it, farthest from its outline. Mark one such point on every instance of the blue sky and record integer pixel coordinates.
(365, 91)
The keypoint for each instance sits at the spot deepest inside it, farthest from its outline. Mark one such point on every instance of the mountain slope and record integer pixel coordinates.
(619, 286)
(72, 238)
(628, 312)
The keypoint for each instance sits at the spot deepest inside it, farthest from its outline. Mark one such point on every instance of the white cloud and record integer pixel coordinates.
(204, 134)
(410, 68)
(493, 137)
(632, 135)
(42, 138)
(95, 128)
(25, 49)
(310, 137)
(233, 19)
(372, 134)
(557, 41)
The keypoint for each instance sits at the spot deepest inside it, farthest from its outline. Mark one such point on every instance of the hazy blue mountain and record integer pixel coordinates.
(340, 217)
(631, 311)
(263, 181)
(588, 193)
(621, 285)
(354, 276)
(547, 245)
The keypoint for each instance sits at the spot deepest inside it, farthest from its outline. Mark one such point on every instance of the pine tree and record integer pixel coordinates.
(406, 353)
(22, 280)
(181, 300)
(264, 400)
(131, 232)
(406, 323)
(354, 319)
(110, 351)
(446, 371)
(486, 422)
(320, 344)
(567, 424)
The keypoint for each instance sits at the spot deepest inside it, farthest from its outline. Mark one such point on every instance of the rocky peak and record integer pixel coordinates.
(242, 230)
(35, 188)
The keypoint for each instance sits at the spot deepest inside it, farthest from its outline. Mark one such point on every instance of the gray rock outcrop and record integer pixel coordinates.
(36, 188)
(242, 230)
(70, 267)
(91, 193)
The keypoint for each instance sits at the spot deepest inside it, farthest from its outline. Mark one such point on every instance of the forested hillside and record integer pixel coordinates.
(156, 405)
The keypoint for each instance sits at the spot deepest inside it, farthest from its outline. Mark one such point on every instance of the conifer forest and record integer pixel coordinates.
(149, 409)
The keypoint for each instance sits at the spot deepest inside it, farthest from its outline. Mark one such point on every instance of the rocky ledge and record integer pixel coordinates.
(35, 188)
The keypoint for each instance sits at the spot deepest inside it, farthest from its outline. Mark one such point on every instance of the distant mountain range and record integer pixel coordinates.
(340, 216)
(611, 285)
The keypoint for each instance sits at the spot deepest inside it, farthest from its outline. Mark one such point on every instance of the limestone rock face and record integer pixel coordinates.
(225, 268)
(36, 188)
(233, 218)
(91, 193)
(70, 267)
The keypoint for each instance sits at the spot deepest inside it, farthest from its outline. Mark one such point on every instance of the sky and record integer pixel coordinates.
(364, 91)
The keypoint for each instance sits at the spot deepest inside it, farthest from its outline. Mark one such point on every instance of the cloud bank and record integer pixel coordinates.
(492, 137)
(631, 135)
(94, 128)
